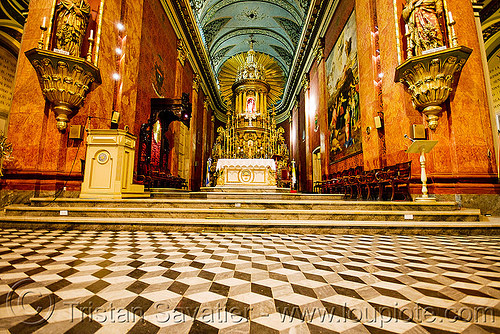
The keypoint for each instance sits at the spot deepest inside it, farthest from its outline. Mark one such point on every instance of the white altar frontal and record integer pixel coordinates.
(246, 173)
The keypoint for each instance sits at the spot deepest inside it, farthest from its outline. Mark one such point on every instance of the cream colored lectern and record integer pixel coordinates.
(422, 147)
(109, 166)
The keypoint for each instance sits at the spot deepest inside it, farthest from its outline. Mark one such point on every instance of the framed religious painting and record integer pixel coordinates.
(342, 77)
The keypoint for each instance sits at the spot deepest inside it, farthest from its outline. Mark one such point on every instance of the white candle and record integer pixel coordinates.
(407, 30)
(451, 17)
(44, 21)
(91, 34)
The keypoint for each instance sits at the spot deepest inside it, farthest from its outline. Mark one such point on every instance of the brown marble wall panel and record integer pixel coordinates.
(302, 153)
(399, 113)
(131, 65)
(198, 156)
(187, 82)
(374, 142)
(314, 107)
(29, 110)
(324, 135)
(351, 162)
(467, 112)
(464, 131)
(156, 26)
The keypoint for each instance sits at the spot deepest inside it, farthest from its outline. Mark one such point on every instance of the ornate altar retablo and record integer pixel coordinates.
(246, 172)
(244, 150)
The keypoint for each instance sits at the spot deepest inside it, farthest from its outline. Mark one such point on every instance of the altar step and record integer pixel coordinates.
(324, 204)
(212, 209)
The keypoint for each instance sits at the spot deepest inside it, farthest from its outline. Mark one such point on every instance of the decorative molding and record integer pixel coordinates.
(217, 57)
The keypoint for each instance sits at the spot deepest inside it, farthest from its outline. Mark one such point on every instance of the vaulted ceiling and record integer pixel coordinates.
(227, 26)
(12, 17)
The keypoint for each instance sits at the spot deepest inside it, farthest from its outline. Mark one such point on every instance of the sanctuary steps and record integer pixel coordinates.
(246, 211)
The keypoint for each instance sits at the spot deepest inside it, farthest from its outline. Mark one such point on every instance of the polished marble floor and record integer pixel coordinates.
(156, 282)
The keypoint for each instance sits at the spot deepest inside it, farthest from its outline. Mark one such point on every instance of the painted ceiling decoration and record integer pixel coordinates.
(211, 29)
(284, 54)
(216, 58)
(291, 28)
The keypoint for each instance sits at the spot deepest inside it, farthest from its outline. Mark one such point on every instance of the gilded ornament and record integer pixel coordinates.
(5, 150)
(181, 52)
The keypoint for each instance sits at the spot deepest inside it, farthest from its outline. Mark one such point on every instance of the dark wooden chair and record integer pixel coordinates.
(365, 182)
(400, 183)
(383, 177)
(354, 182)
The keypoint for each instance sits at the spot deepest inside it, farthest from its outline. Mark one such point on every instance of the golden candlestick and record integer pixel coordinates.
(43, 28)
(91, 43)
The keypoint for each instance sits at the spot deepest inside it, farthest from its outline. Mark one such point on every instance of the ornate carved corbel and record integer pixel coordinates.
(65, 81)
(430, 79)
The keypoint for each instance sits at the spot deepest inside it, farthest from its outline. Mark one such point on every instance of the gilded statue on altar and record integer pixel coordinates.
(72, 20)
(423, 23)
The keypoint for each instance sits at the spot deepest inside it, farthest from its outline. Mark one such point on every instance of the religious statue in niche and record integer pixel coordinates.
(250, 104)
(423, 20)
(72, 20)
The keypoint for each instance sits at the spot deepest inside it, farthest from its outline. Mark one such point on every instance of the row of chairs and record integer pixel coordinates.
(378, 184)
(155, 179)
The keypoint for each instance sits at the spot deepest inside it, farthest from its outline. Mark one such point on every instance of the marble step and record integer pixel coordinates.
(240, 213)
(254, 225)
(184, 194)
(221, 203)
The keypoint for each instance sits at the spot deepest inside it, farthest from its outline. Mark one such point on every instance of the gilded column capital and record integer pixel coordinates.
(196, 82)
(206, 102)
(319, 50)
(305, 81)
(181, 52)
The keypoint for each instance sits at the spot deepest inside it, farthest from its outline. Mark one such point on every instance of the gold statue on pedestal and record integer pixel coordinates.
(72, 20)
(423, 24)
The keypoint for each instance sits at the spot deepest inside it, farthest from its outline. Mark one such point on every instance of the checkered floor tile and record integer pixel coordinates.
(155, 282)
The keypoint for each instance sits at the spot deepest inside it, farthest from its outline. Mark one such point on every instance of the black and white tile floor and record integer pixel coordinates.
(155, 282)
